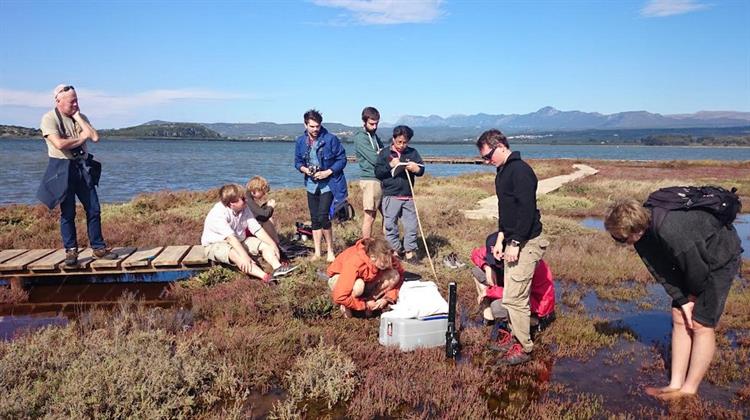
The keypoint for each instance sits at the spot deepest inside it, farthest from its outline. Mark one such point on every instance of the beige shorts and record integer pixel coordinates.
(372, 193)
(219, 251)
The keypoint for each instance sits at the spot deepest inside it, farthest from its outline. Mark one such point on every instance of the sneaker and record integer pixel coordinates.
(104, 254)
(283, 270)
(514, 356)
(456, 262)
(71, 257)
(448, 261)
(504, 341)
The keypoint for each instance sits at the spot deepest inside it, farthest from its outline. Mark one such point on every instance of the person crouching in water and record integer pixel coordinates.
(695, 257)
(365, 277)
(488, 279)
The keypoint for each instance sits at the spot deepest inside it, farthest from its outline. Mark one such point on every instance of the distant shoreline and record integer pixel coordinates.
(456, 142)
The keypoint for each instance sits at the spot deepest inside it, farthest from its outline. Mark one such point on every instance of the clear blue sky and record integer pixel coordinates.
(236, 61)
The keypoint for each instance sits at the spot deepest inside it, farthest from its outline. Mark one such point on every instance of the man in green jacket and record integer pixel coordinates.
(368, 146)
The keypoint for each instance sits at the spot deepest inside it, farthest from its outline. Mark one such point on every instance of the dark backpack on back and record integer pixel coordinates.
(722, 203)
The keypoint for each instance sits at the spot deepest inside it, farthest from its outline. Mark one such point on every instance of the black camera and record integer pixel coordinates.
(77, 152)
(313, 169)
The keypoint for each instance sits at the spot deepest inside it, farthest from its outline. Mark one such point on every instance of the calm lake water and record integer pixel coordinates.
(134, 166)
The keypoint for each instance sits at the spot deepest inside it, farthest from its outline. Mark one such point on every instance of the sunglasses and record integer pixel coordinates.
(488, 156)
(65, 89)
(619, 240)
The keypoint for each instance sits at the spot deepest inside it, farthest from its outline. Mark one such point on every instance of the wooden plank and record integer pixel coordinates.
(7, 254)
(20, 262)
(170, 256)
(196, 256)
(121, 252)
(49, 262)
(142, 257)
(85, 258)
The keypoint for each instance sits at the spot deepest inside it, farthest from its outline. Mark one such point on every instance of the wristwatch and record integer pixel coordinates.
(515, 243)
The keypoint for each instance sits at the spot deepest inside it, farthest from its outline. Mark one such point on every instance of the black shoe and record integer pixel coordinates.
(104, 254)
(71, 257)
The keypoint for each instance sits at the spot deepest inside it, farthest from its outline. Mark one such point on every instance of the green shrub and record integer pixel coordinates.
(322, 373)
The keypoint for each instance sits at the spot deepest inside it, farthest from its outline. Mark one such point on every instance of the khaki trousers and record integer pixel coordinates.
(517, 287)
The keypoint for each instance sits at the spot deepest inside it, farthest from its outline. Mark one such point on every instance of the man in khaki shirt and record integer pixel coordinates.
(72, 172)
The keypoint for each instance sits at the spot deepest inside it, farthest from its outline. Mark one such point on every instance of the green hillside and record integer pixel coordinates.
(164, 130)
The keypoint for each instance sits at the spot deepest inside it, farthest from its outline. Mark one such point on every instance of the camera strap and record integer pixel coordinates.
(60, 124)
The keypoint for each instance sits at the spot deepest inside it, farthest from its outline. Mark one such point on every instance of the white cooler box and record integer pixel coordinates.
(410, 333)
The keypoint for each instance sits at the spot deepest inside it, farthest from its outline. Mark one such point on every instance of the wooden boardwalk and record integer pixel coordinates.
(24, 263)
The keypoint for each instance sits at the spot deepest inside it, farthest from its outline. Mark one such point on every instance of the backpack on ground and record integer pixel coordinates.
(342, 211)
(722, 203)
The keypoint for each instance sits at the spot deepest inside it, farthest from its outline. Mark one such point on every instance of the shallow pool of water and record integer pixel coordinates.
(742, 224)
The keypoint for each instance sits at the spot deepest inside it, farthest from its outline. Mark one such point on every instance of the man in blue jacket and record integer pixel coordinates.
(72, 172)
(519, 241)
(320, 156)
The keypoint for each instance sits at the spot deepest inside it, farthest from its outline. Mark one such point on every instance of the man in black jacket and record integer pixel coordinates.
(519, 241)
(695, 257)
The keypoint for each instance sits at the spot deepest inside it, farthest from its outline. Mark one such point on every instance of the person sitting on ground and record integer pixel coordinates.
(365, 277)
(398, 197)
(488, 276)
(225, 236)
(257, 189)
(695, 257)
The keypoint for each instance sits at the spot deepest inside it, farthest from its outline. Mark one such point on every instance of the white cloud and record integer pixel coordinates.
(661, 8)
(104, 104)
(388, 12)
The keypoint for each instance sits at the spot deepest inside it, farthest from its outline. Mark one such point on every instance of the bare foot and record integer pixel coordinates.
(315, 258)
(330, 257)
(658, 391)
(674, 395)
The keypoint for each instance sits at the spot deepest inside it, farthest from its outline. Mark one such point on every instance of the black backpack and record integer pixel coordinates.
(342, 211)
(722, 203)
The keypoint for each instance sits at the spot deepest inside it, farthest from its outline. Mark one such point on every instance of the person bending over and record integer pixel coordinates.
(365, 277)
(695, 257)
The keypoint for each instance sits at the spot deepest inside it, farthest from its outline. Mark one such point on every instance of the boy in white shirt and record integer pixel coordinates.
(225, 236)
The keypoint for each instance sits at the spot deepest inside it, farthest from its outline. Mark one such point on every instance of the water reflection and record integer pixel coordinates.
(741, 224)
(53, 300)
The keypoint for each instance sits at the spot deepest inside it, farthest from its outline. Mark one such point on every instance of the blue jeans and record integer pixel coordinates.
(78, 186)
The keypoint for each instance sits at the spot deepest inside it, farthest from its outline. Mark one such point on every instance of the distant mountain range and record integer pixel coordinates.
(551, 119)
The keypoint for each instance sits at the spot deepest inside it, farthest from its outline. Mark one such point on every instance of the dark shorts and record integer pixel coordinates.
(709, 305)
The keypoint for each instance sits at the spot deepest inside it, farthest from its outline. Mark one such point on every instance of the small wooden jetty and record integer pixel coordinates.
(24, 263)
(454, 160)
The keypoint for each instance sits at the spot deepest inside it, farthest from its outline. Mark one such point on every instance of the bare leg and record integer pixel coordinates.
(681, 345)
(317, 236)
(704, 346)
(328, 235)
(358, 288)
(270, 254)
(368, 219)
(255, 270)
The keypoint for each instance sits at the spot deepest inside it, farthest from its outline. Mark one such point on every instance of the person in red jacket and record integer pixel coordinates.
(365, 277)
(488, 276)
